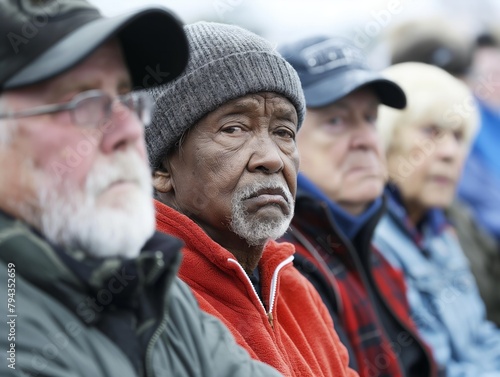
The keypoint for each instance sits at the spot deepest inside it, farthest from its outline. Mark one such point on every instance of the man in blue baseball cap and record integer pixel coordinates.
(87, 287)
(339, 202)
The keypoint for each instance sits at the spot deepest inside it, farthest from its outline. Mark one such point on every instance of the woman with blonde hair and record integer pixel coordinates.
(425, 145)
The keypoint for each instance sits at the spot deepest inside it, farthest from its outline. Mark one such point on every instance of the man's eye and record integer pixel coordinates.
(285, 132)
(371, 119)
(333, 125)
(232, 129)
(334, 121)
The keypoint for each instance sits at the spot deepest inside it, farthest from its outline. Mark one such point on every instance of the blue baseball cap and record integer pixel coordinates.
(331, 68)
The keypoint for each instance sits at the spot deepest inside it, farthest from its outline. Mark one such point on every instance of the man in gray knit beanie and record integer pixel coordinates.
(226, 62)
(225, 163)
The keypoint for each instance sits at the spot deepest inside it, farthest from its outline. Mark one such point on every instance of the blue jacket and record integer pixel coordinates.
(443, 296)
(479, 186)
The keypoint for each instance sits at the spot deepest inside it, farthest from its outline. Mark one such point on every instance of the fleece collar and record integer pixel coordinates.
(179, 225)
(200, 250)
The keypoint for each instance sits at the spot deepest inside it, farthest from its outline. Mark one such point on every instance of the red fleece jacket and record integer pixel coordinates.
(295, 334)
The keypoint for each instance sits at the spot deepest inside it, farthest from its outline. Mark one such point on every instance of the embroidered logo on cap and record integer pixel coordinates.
(329, 54)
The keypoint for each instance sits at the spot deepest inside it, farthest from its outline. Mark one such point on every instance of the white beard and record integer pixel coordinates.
(253, 229)
(73, 218)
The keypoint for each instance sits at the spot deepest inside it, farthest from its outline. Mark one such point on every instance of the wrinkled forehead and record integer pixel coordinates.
(273, 102)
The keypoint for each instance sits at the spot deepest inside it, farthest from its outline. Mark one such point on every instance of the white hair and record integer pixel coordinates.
(433, 97)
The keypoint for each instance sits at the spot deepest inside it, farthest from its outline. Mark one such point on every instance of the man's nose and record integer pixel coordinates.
(364, 135)
(122, 129)
(266, 156)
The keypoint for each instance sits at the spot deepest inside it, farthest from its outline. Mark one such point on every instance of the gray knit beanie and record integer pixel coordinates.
(225, 62)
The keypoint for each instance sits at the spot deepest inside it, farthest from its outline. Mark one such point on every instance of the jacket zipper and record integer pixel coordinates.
(152, 342)
(274, 285)
(161, 327)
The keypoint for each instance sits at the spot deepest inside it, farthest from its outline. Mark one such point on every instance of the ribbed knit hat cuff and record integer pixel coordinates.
(185, 101)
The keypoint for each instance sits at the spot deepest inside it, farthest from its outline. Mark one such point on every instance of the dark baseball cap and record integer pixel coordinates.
(40, 39)
(331, 68)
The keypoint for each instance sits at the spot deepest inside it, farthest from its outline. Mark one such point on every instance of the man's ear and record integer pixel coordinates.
(162, 181)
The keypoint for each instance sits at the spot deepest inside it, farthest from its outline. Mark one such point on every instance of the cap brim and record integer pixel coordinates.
(334, 87)
(153, 41)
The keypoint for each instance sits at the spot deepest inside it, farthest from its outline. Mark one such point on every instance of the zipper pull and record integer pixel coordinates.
(270, 319)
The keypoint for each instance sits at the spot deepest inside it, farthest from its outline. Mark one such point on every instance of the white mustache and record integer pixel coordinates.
(126, 166)
(252, 190)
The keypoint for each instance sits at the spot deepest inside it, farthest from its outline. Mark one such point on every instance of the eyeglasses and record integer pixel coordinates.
(90, 108)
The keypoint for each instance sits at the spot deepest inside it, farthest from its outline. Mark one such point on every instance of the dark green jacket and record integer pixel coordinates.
(483, 253)
(74, 316)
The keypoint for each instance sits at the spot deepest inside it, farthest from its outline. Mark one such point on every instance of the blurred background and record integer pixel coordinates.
(460, 36)
(377, 26)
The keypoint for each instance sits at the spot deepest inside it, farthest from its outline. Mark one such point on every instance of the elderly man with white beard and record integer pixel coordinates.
(222, 147)
(79, 297)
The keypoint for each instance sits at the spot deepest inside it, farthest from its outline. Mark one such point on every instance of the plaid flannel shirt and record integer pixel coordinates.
(347, 280)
